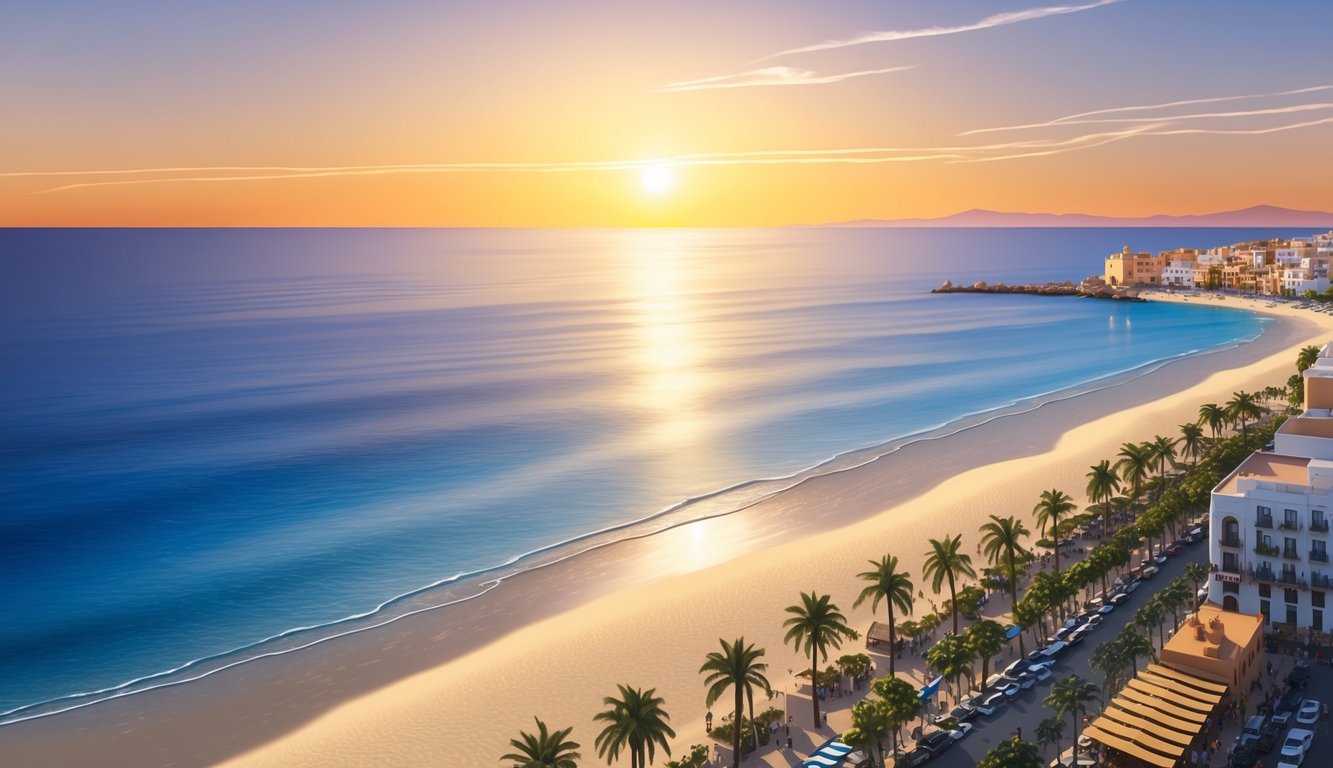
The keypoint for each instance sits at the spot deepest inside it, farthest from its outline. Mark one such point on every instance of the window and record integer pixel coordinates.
(1289, 518)
(1317, 624)
(1265, 591)
(1291, 614)
(1317, 599)
(1289, 595)
(1319, 550)
(1263, 608)
(1230, 589)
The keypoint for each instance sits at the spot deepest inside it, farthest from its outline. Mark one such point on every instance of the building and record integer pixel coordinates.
(1220, 646)
(1128, 268)
(1270, 520)
(1179, 274)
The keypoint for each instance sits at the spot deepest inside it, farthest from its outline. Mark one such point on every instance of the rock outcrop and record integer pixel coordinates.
(1091, 287)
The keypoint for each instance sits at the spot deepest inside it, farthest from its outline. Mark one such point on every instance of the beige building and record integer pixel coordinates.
(1221, 646)
(1129, 268)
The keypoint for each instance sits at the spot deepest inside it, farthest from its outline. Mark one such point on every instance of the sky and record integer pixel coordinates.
(681, 113)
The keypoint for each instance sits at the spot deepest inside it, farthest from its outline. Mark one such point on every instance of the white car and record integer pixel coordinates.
(1055, 649)
(992, 704)
(961, 731)
(1105, 609)
(1298, 740)
(1308, 714)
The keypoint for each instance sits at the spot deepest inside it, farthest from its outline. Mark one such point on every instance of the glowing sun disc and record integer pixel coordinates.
(656, 179)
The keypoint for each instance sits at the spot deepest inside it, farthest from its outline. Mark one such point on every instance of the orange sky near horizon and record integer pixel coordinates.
(333, 100)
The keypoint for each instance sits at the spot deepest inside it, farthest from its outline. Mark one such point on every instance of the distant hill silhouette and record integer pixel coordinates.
(1255, 216)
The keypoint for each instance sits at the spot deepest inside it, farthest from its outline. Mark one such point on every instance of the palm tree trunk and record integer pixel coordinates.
(893, 639)
(953, 601)
(1013, 600)
(736, 725)
(1055, 540)
(814, 681)
(754, 727)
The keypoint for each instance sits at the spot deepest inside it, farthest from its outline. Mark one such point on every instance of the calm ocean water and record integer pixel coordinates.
(214, 437)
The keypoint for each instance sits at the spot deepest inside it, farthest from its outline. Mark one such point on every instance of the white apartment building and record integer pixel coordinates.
(1179, 274)
(1269, 519)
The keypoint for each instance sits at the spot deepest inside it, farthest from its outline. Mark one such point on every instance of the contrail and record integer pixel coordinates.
(771, 76)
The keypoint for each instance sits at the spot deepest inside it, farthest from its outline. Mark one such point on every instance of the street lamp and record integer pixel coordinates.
(708, 722)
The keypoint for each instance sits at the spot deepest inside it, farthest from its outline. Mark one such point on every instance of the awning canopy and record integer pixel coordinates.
(930, 689)
(1157, 715)
(1012, 632)
(829, 755)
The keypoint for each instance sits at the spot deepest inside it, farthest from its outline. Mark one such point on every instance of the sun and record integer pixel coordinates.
(657, 179)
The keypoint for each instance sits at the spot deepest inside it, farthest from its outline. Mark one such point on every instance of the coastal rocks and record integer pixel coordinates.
(1092, 287)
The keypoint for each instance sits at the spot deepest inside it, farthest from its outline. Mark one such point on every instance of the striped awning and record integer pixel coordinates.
(829, 755)
(1157, 715)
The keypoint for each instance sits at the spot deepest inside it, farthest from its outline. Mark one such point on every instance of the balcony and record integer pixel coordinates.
(1231, 541)
(1289, 525)
(1263, 521)
(1288, 577)
(1319, 556)
(1320, 580)
(1266, 549)
(1319, 526)
(1290, 553)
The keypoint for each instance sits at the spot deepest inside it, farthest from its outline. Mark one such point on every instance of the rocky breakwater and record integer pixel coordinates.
(1092, 287)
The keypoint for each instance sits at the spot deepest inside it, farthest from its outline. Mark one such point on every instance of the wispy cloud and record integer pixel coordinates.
(998, 20)
(1082, 117)
(769, 76)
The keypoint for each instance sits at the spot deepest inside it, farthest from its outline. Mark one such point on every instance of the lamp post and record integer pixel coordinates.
(708, 722)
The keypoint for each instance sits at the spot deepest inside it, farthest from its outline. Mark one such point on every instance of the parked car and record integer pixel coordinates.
(1268, 737)
(1105, 609)
(1244, 755)
(1038, 656)
(1253, 726)
(961, 732)
(1080, 633)
(1132, 585)
(1196, 535)
(1026, 680)
(1120, 598)
(1019, 665)
(1299, 676)
(917, 757)
(1010, 688)
(1042, 672)
(1060, 635)
(992, 703)
(1150, 572)
(936, 742)
(1174, 549)
(1282, 715)
(1298, 741)
(1055, 649)
(1308, 714)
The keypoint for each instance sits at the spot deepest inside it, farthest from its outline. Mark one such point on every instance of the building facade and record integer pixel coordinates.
(1269, 520)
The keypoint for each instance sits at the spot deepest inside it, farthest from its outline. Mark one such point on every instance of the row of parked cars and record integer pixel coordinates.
(1263, 732)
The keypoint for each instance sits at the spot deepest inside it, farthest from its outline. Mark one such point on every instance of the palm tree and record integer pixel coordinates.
(1214, 416)
(1151, 614)
(870, 726)
(1307, 357)
(894, 587)
(636, 722)
(737, 666)
(1053, 504)
(1049, 731)
(1070, 696)
(1163, 452)
(1135, 646)
(987, 639)
(544, 750)
(951, 657)
(1243, 407)
(1196, 573)
(1134, 466)
(900, 703)
(1103, 483)
(1109, 658)
(1191, 441)
(1012, 753)
(1003, 538)
(946, 560)
(815, 626)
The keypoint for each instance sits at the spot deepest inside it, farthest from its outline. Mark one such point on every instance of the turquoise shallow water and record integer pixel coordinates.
(212, 438)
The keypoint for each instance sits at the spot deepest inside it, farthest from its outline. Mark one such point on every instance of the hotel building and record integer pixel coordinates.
(1269, 519)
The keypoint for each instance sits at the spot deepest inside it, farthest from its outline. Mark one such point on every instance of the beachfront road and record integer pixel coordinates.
(1026, 710)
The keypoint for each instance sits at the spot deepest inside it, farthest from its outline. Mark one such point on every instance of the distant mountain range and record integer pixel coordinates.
(1256, 216)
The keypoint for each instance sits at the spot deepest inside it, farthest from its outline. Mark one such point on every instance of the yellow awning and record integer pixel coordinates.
(1170, 695)
(1181, 687)
(1166, 729)
(1149, 704)
(1139, 736)
(1128, 747)
(1188, 678)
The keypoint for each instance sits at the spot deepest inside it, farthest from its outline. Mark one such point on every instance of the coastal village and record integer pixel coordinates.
(1294, 268)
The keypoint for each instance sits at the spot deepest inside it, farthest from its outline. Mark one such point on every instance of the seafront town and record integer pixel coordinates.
(1296, 268)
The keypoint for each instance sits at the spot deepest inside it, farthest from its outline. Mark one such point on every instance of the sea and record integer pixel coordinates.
(217, 444)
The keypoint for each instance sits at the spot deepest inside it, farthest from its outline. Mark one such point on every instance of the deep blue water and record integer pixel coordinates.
(213, 436)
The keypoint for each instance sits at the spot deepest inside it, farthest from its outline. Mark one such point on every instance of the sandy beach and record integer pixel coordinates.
(451, 688)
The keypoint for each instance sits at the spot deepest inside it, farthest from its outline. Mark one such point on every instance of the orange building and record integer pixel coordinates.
(1222, 646)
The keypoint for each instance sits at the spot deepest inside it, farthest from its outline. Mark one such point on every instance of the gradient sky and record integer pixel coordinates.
(772, 112)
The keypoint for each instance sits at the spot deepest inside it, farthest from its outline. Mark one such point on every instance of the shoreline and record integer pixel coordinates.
(643, 611)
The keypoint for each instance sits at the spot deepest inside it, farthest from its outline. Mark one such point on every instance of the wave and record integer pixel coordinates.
(467, 586)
